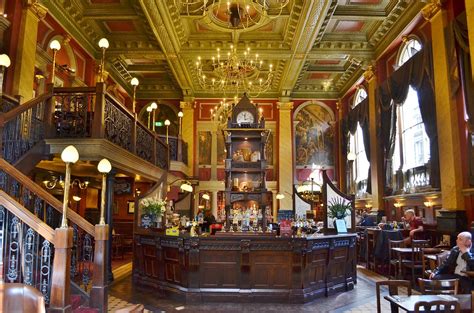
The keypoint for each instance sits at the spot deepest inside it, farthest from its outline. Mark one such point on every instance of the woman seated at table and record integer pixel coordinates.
(460, 260)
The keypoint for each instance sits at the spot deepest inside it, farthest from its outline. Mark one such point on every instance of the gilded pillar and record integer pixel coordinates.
(376, 166)
(214, 203)
(285, 154)
(342, 158)
(214, 152)
(187, 107)
(23, 77)
(446, 113)
(470, 30)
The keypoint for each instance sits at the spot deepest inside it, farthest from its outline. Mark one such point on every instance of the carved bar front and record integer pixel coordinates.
(245, 268)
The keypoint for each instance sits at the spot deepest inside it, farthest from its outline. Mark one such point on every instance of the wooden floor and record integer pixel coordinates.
(361, 300)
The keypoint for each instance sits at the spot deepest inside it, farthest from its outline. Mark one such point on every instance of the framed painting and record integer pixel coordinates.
(123, 186)
(131, 207)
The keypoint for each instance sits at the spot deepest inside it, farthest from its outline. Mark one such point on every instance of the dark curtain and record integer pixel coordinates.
(416, 72)
(462, 49)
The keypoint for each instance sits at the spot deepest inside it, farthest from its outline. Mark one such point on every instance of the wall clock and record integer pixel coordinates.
(244, 117)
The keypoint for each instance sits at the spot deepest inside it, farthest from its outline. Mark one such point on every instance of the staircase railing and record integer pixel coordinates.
(85, 265)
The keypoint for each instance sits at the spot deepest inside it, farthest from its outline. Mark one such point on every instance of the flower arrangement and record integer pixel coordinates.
(153, 206)
(339, 208)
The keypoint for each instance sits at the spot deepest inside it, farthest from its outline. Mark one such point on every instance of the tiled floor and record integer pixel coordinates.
(362, 299)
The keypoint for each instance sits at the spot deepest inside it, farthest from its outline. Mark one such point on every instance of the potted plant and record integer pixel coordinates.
(153, 210)
(339, 208)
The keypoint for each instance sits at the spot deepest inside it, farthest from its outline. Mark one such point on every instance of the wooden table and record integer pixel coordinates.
(399, 252)
(407, 303)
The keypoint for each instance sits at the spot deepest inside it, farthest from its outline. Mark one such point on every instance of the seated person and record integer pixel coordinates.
(209, 219)
(366, 220)
(416, 225)
(460, 259)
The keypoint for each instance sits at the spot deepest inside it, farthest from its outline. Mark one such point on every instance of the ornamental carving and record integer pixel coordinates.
(430, 10)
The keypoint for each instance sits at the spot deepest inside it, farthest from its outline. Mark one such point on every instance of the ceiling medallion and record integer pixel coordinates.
(235, 14)
(233, 75)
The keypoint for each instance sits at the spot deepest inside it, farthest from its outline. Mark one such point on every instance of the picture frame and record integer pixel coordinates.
(123, 186)
(131, 207)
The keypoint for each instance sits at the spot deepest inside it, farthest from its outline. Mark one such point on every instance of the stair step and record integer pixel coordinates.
(76, 301)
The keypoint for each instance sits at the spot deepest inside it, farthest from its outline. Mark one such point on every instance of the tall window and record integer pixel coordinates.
(360, 166)
(412, 148)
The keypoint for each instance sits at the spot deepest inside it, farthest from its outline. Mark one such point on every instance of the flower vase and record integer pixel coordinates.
(158, 220)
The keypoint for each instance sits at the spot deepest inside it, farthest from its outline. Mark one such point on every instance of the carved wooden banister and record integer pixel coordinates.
(27, 217)
(55, 203)
(5, 117)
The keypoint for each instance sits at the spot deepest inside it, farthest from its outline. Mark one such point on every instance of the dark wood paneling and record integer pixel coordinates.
(244, 269)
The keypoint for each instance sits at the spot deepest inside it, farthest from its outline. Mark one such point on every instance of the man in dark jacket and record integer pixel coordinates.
(460, 259)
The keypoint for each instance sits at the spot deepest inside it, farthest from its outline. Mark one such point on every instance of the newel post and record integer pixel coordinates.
(61, 279)
(99, 290)
(98, 124)
(49, 110)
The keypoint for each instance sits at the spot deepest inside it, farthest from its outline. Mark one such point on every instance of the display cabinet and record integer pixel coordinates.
(246, 197)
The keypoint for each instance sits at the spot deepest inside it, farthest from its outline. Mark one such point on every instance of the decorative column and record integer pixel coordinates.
(187, 106)
(446, 113)
(285, 152)
(376, 166)
(214, 203)
(470, 30)
(341, 158)
(24, 69)
(109, 199)
(214, 152)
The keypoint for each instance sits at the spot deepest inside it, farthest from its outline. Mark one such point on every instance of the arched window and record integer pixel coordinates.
(412, 147)
(360, 166)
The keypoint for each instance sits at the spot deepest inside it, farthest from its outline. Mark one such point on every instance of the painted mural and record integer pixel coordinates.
(205, 138)
(314, 136)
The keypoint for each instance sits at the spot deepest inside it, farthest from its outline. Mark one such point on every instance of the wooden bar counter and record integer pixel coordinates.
(245, 268)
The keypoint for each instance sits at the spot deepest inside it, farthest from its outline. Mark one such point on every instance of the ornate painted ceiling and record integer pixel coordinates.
(319, 48)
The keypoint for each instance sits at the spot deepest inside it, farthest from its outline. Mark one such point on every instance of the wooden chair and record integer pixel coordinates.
(393, 287)
(394, 260)
(436, 287)
(415, 263)
(430, 264)
(438, 306)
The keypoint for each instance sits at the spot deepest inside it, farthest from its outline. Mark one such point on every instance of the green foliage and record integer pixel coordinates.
(339, 208)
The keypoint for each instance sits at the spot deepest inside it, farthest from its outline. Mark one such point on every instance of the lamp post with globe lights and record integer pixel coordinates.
(104, 45)
(153, 107)
(4, 63)
(55, 46)
(70, 155)
(167, 124)
(134, 82)
(104, 167)
(180, 116)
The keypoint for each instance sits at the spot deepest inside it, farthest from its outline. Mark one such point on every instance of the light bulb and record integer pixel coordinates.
(104, 43)
(4, 60)
(154, 106)
(134, 81)
(167, 123)
(55, 45)
(180, 114)
(104, 166)
(70, 154)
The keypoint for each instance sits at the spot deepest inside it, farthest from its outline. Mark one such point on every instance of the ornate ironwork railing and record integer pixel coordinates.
(83, 244)
(72, 114)
(144, 143)
(7, 103)
(118, 125)
(23, 128)
(28, 257)
(175, 145)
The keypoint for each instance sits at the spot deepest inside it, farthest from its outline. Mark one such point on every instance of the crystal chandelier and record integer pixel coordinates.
(237, 14)
(233, 75)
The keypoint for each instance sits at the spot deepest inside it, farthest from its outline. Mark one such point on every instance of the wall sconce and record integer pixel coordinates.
(153, 107)
(368, 206)
(134, 82)
(55, 46)
(104, 45)
(397, 205)
(186, 187)
(280, 196)
(51, 184)
(4, 63)
(167, 124)
(206, 196)
(428, 203)
(69, 155)
(138, 192)
(104, 167)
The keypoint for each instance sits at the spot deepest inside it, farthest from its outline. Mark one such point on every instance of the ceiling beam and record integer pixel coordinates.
(110, 13)
(359, 13)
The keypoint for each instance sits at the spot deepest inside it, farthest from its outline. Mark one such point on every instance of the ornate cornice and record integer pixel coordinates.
(285, 106)
(37, 8)
(430, 9)
(369, 73)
